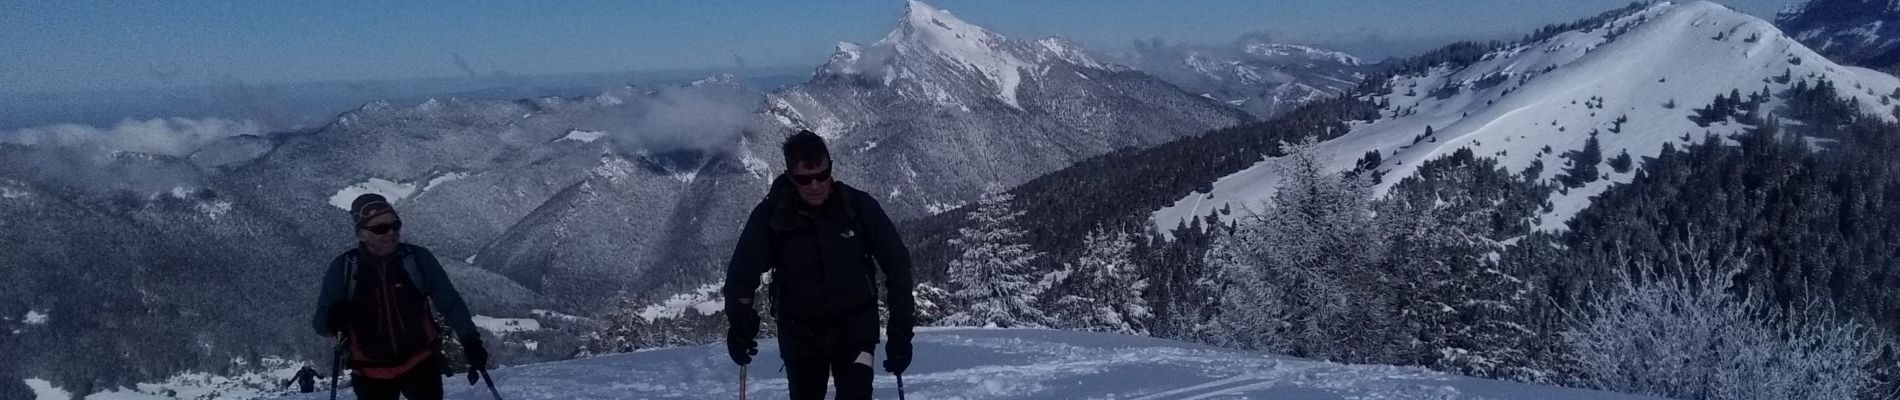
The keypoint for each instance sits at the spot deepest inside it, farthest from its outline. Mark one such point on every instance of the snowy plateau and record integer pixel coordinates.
(971, 364)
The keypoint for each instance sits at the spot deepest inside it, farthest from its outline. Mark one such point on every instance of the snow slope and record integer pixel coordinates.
(1012, 364)
(1543, 94)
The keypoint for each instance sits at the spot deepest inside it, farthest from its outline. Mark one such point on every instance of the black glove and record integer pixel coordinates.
(339, 318)
(897, 355)
(742, 329)
(741, 350)
(477, 357)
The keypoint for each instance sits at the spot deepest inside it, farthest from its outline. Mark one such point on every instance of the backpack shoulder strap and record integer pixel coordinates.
(415, 275)
(864, 235)
(851, 211)
(349, 274)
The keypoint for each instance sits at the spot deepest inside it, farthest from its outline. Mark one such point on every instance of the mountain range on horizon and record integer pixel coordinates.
(558, 210)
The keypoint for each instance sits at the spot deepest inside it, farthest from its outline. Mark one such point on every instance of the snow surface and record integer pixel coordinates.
(394, 191)
(263, 382)
(45, 391)
(34, 317)
(583, 136)
(1011, 364)
(444, 178)
(215, 209)
(1066, 51)
(506, 325)
(613, 167)
(1668, 53)
(551, 315)
(705, 300)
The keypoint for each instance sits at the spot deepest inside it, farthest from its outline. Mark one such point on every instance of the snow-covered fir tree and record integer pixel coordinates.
(1679, 328)
(991, 274)
(1103, 290)
(1464, 308)
(619, 329)
(1299, 275)
(932, 303)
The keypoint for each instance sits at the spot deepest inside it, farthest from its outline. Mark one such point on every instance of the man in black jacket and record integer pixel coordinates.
(306, 380)
(824, 243)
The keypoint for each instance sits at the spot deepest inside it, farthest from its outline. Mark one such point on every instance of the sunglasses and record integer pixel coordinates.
(384, 229)
(808, 179)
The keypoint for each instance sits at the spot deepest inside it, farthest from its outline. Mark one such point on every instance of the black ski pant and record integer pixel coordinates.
(423, 382)
(806, 377)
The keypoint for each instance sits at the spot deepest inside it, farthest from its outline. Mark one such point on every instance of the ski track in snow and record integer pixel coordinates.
(970, 364)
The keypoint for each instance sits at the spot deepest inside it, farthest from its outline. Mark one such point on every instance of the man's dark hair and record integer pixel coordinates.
(805, 147)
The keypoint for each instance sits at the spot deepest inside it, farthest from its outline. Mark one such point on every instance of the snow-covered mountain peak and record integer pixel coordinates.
(1630, 80)
(928, 32)
(939, 94)
(922, 22)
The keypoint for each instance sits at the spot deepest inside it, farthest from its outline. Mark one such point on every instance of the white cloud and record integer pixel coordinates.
(168, 136)
(704, 116)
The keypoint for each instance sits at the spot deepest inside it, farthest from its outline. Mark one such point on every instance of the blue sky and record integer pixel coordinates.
(50, 46)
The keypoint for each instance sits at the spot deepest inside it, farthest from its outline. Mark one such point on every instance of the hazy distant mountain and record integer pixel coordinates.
(1257, 75)
(1853, 32)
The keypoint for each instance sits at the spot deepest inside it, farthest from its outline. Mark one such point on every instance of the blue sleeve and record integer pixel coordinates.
(448, 301)
(888, 248)
(334, 289)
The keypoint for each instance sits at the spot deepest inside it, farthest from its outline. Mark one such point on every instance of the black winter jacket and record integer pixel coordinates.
(824, 262)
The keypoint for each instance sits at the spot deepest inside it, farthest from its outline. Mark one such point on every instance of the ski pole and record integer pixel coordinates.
(336, 364)
(491, 383)
(900, 386)
(741, 382)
